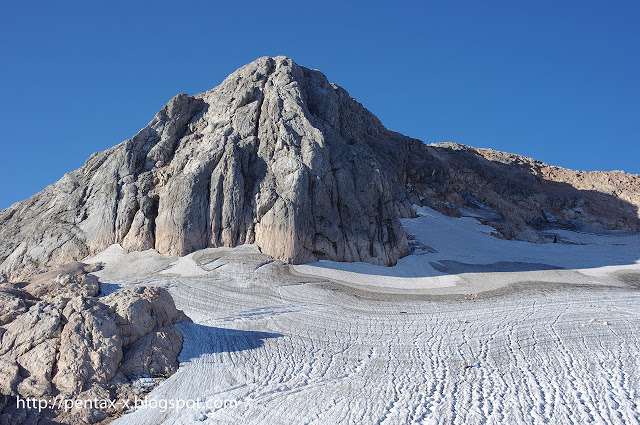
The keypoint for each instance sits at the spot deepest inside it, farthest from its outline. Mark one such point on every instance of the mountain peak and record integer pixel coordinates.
(278, 157)
(274, 156)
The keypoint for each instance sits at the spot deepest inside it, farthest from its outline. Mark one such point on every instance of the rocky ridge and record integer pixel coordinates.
(520, 196)
(275, 156)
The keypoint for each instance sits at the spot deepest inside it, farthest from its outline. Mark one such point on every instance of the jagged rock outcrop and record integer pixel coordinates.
(56, 343)
(279, 157)
(275, 155)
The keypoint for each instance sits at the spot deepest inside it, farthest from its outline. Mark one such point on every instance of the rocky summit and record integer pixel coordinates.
(278, 157)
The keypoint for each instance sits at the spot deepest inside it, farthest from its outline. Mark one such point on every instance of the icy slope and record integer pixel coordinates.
(291, 348)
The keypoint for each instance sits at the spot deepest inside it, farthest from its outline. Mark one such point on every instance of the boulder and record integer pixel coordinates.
(80, 346)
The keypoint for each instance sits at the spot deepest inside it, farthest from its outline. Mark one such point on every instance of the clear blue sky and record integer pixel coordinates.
(555, 80)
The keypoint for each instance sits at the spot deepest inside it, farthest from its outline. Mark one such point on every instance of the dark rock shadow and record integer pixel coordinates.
(108, 289)
(456, 267)
(200, 340)
(513, 180)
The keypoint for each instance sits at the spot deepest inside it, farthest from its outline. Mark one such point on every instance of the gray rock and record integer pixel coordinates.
(521, 196)
(9, 375)
(31, 341)
(63, 282)
(139, 310)
(13, 302)
(82, 345)
(279, 157)
(90, 346)
(529, 235)
(275, 155)
(154, 354)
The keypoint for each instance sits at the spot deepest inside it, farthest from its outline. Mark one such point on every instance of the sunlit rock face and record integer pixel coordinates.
(275, 155)
(58, 337)
(278, 157)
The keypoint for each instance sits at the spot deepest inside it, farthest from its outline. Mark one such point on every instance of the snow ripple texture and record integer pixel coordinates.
(290, 348)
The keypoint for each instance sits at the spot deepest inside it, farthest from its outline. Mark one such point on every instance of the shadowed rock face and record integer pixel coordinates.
(275, 155)
(279, 157)
(520, 196)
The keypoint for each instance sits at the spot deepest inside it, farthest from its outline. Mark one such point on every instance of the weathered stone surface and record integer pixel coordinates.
(64, 282)
(13, 302)
(79, 346)
(525, 195)
(275, 155)
(30, 329)
(9, 375)
(279, 157)
(140, 310)
(90, 346)
(154, 354)
(30, 341)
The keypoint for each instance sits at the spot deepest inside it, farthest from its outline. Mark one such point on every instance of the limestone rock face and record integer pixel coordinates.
(140, 310)
(13, 302)
(90, 346)
(64, 282)
(155, 353)
(54, 343)
(275, 155)
(279, 157)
